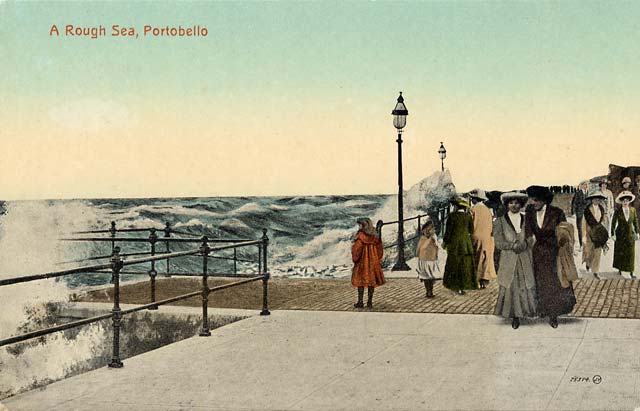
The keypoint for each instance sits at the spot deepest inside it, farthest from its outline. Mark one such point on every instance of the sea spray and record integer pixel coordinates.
(430, 193)
(329, 253)
(29, 232)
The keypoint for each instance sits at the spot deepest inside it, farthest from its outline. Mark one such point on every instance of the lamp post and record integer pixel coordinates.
(442, 152)
(400, 114)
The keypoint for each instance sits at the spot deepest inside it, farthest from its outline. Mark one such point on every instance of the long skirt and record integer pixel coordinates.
(428, 270)
(516, 300)
(553, 300)
(460, 272)
(624, 253)
(591, 255)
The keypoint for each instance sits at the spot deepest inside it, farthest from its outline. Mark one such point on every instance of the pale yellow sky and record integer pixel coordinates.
(93, 148)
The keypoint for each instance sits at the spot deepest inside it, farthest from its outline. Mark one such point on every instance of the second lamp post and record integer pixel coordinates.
(400, 114)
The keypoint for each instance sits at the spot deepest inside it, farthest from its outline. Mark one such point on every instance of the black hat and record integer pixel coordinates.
(541, 193)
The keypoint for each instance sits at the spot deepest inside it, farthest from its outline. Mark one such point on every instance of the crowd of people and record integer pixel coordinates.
(532, 242)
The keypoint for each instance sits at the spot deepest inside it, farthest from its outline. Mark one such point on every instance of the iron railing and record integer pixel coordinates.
(117, 263)
(438, 215)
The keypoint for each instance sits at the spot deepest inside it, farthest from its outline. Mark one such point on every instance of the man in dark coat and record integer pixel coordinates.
(541, 220)
(578, 204)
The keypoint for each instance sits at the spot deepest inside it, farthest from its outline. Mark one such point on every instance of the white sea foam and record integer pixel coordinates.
(278, 207)
(234, 223)
(250, 208)
(330, 252)
(360, 203)
(28, 245)
(134, 212)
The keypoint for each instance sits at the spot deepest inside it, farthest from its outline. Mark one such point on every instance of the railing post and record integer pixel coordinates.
(260, 259)
(235, 261)
(379, 225)
(204, 249)
(152, 272)
(116, 266)
(419, 224)
(112, 231)
(265, 280)
(167, 234)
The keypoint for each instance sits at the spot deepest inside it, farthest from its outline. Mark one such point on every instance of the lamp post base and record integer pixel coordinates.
(401, 266)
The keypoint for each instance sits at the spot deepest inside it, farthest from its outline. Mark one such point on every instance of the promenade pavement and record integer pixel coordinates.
(315, 360)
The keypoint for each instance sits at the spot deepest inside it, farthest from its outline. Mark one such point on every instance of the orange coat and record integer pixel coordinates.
(366, 253)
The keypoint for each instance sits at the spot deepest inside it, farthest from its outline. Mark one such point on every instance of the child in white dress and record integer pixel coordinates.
(427, 252)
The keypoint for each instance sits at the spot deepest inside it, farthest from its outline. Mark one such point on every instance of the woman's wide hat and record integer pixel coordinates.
(596, 194)
(513, 195)
(541, 193)
(479, 194)
(461, 202)
(625, 194)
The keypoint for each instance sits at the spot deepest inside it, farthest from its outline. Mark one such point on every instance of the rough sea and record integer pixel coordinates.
(309, 237)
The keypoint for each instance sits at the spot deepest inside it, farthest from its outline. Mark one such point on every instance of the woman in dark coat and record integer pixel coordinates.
(460, 269)
(541, 219)
(624, 230)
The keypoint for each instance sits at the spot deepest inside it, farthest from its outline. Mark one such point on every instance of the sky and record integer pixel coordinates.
(293, 98)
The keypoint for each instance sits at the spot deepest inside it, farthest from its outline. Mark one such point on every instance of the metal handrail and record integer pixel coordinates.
(122, 230)
(73, 324)
(159, 239)
(405, 219)
(108, 256)
(53, 274)
(380, 224)
(117, 263)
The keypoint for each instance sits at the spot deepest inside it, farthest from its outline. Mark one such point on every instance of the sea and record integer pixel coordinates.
(309, 236)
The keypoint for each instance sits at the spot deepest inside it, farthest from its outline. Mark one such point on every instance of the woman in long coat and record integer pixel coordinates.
(460, 269)
(595, 227)
(624, 229)
(517, 295)
(482, 238)
(541, 220)
(366, 254)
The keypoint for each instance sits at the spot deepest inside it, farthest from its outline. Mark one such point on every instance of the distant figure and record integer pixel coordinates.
(517, 295)
(578, 204)
(609, 204)
(596, 228)
(636, 203)
(626, 186)
(482, 238)
(624, 231)
(427, 252)
(541, 220)
(460, 269)
(366, 253)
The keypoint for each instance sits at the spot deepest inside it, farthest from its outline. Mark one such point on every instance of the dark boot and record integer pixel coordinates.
(370, 297)
(483, 284)
(359, 304)
(553, 322)
(515, 323)
(429, 285)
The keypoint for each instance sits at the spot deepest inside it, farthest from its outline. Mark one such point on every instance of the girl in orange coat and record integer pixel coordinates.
(366, 253)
